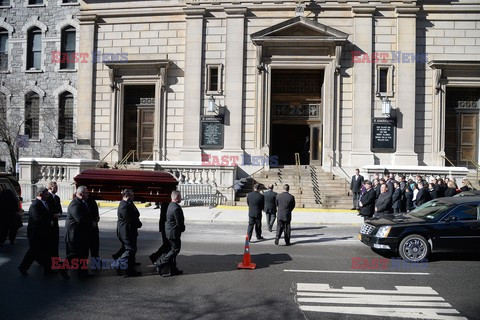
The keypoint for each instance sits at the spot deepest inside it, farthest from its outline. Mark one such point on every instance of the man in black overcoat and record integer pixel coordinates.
(127, 231)
(270, 207)
(423, 195)
(94, 246)
(165, 247)
(397, 198)
(78, 227)
(383, 203)
(356, 187)
(55, 206)
(256, 203)
(367, 201)
(39, 233)
(174, 226)
(285, 206)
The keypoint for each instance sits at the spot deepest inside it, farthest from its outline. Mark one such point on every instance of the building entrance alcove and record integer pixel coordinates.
(296, 104)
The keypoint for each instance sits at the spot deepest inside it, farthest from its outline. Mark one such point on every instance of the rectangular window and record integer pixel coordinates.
(65, 118)
(69, 1)
(35, 1)
(4, 3)
(68, 49)
(384, 85)
(214, 78)
(32, 118)
(34, 50)
(3, 50)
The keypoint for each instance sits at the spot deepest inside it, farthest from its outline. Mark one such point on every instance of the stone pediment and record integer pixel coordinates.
(298, 30)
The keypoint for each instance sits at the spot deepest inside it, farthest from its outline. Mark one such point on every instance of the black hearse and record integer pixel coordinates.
(443, 224)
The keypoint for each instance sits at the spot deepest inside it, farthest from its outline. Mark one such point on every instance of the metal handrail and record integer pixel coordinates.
(297, 165)
(476, 165)
(109, 152)
(444, 157)
(347, 179)
(127, 156)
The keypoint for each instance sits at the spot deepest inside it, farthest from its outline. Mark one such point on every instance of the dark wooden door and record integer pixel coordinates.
(145, 126)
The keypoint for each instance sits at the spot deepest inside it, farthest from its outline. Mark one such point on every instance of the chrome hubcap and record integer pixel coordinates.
(415, 249)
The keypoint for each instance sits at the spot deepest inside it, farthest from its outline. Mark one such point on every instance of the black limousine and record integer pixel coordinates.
(443, 224)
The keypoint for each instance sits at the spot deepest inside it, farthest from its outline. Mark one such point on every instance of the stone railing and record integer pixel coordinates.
(410, 172)
(219, 177)
(36, 172)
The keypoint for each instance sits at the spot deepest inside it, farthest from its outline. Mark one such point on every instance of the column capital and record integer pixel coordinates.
(86, 19)
(195, 13)
(406, 12)
(235, 12)
(363, 11)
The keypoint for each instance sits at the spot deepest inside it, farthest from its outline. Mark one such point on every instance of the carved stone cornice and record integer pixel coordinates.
(194, 13)
(85, 19)
(235, 12)
(406, 12)
(363, 11)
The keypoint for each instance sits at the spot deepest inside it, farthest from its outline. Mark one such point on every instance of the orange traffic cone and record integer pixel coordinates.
(247, 263)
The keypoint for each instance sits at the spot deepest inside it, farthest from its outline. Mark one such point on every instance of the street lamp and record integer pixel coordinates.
(386, 107)
(211, 104)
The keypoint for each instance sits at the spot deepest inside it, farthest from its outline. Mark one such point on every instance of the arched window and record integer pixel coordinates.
(68, 48)
(3, 49)
(32, 115)
(34, 49)
(65, 116)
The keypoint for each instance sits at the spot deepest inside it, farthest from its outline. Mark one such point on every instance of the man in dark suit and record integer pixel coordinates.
(256, 203)
(161, 225)
(55, 206)
(285, 205)
(367, 201)
(356, 188)
(383, 203)
(423, 195)
(270, 207)
(94, 246)
(127, 232)
(174, 226)
(39, 234)
(78, 227)
(397, 198)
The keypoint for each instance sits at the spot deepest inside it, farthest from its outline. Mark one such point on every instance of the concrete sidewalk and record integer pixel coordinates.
(108, 211)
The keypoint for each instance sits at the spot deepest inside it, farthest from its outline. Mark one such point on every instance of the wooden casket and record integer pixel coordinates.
(147, 186)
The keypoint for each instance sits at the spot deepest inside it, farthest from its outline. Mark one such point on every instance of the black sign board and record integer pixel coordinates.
(383, 135)
(211, 132)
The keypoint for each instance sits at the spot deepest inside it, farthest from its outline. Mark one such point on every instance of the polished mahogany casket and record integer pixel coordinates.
(107, 184)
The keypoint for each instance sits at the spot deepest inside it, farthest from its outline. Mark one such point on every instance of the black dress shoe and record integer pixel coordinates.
(152, 258)
(276, 241)
(23, 271)
(177, 272)
(353, 208)
(260, 238)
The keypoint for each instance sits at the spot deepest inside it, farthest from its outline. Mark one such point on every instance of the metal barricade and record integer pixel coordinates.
(198, 194)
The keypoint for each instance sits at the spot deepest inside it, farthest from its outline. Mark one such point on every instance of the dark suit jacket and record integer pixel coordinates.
(256, 202)
(423, 196)
(39, 224)
(390, 186)
(175, 224)
(285, 205)
(368, 203)
(270, 202)
(383, 203)
(78, 226)
(450, 192)
(356, 184)
(396, 199)
(128, 220)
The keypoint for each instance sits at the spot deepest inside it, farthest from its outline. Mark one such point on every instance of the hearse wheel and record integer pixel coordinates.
(414, 248)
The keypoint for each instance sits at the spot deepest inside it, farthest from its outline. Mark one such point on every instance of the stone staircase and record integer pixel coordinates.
(474, 179)
(311, 187)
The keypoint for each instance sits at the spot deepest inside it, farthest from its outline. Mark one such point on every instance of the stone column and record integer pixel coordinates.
(406, 37)
(362, 88)
(85, 109)
(193, 85)
(234, 80)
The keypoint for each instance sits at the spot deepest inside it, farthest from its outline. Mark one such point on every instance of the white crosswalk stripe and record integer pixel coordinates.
(405, 302)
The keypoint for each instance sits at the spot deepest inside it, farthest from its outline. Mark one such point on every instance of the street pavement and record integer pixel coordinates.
(311, 279)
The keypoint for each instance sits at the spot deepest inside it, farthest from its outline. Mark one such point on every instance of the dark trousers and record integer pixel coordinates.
(166, 247)
(37, 251)
(94, 243)
(54, 240)
(9, 228)
(270, 220)
(284, 226)
(127, 252)
(396, 210)
(257, 223)
(171, 257)
(79, 251)
(356, 198)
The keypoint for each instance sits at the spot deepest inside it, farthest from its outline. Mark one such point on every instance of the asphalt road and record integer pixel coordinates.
(311, 279)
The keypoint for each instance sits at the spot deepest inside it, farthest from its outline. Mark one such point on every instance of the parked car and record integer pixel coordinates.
(8, 181)
(443, 224)
(468, 193)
